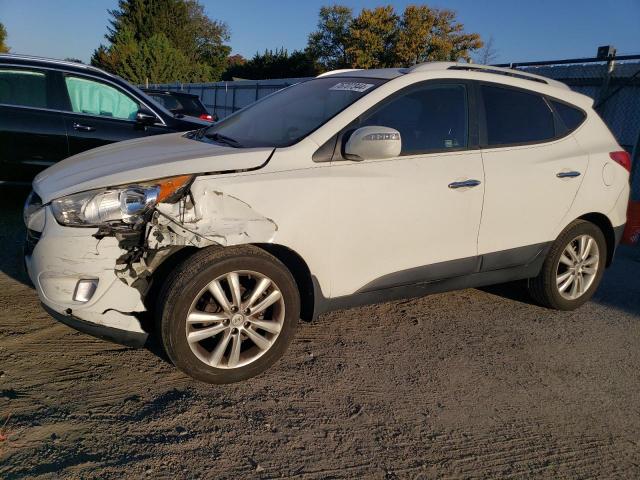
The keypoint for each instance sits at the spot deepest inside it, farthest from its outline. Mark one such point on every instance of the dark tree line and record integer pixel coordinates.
(163, 41)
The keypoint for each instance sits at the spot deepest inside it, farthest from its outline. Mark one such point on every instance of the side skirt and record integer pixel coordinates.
(418, 289)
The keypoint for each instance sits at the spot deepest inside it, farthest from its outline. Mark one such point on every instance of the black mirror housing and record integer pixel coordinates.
(146, 117)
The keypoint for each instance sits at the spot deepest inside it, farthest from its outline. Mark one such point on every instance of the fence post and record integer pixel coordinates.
(233, 99)
(604, 88)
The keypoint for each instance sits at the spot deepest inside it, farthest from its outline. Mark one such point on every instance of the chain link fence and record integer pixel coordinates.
(613, 83)
(224, 98)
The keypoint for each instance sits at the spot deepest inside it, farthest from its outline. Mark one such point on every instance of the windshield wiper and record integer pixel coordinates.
(218, 137)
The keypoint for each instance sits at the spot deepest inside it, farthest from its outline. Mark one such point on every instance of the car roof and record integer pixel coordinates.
(389, 73)
(506, 76)
(35, 61)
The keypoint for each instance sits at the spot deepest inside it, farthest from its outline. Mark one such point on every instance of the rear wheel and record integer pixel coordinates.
(573, 268)
(228, 314)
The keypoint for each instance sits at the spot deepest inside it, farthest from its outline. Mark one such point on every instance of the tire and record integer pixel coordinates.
(546, 288)
(189, 292)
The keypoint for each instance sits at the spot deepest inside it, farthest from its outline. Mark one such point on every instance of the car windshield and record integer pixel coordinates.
(287, 116)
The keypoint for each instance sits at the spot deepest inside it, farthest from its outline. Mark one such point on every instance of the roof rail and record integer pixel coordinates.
(69, 63)
(335, 72)
(474, 67)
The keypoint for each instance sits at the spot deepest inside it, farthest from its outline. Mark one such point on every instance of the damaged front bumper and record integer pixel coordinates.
(64, 256)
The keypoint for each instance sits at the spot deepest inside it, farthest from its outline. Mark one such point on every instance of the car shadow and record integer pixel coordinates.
(12, 232)
(620, 287)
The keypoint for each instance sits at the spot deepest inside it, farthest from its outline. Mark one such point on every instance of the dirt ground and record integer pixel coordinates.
(470, 384)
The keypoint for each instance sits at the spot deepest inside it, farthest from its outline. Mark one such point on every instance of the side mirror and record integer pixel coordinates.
(145, 117)
(373, 143)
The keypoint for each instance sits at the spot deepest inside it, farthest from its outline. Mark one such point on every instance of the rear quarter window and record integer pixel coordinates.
(25, 88)
(571, 117)
(514, 116)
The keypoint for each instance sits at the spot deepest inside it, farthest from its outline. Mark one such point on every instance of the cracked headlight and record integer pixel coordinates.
(127, 203)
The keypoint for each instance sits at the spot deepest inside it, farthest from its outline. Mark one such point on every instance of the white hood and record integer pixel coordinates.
(142, 159)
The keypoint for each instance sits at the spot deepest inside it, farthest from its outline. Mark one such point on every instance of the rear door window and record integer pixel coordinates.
(96, 98)
(26, 88)
(514, 116)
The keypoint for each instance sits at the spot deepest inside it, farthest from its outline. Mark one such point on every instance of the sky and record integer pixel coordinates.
(522, 30)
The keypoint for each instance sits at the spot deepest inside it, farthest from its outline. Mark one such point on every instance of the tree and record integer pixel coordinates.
(487, 54)
(162, 41)
(274, 64)
(236, 59)
(3, 37)
(382, 38)
(429, 34)
(372, 38)
(328, 45)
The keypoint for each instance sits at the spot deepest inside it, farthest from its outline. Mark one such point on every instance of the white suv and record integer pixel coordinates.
(355, 187)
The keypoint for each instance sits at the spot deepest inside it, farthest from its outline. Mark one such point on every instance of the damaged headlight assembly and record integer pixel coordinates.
(127, 203)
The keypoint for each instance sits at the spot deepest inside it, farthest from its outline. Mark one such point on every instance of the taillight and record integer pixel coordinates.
(206, 116)
(623, 158)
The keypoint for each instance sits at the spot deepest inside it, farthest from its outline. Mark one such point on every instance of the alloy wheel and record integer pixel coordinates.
(235, 319)
(577, 267)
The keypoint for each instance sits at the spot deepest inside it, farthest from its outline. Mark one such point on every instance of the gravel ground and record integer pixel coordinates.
(470, 384)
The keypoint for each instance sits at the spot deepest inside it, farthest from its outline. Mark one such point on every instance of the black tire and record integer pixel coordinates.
(543, 288)
(186, 282)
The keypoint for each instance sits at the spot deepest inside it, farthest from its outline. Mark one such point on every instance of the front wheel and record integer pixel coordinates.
(573, 268)
(228, 314)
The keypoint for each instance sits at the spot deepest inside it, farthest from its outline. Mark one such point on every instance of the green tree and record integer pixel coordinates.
(3, 37)
(380, 37)
(372, 38)
(274, 64)
(163, 41)
(329, 43)
(429, 34)
(155, 60)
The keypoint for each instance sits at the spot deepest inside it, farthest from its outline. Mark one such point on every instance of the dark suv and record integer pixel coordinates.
(181, 103)
(51, 109)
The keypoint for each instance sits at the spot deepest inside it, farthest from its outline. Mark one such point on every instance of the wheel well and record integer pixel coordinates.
(294, 262)
(160, 275)
(301, 273)
(604, 224)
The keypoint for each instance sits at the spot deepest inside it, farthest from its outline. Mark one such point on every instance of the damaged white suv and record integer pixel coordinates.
(355, 187)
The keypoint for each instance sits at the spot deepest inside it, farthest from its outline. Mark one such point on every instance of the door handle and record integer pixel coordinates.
(572, 174)
(466, 183)
(83, 128)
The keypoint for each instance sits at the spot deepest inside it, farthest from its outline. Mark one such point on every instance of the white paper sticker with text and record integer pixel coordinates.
(352, 86)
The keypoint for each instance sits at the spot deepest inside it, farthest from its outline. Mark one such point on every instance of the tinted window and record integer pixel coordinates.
(190, 106)
(571, 116)
(23, 87)
(283, 118)
(516, 117)
(96, 98)
(430, 118)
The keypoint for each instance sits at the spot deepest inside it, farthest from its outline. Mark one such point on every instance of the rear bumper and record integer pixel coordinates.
(116, 335)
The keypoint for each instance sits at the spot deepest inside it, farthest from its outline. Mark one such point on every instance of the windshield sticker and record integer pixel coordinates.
(352, 86)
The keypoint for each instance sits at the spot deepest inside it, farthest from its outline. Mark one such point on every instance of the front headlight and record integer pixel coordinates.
(126, 203)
